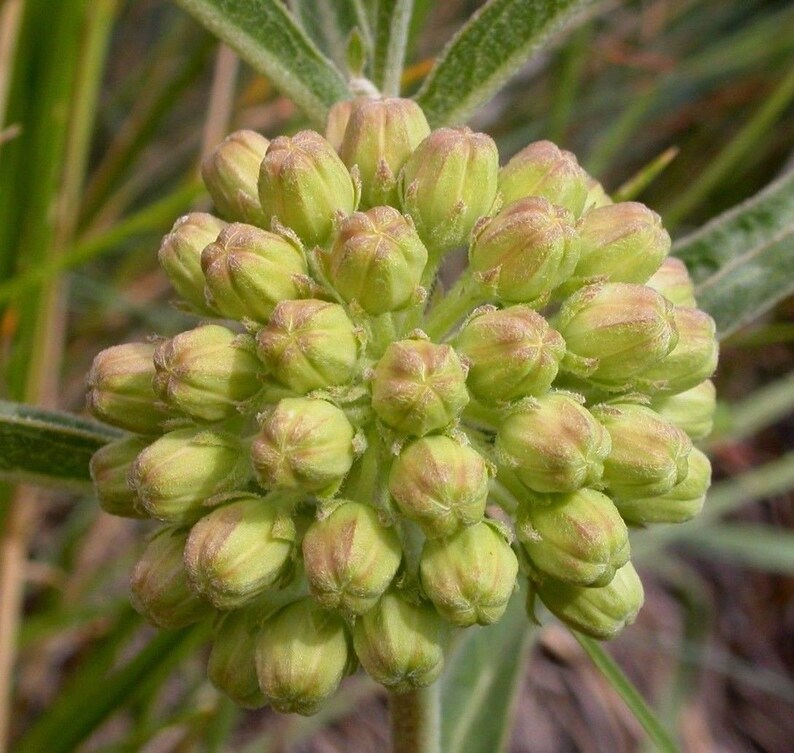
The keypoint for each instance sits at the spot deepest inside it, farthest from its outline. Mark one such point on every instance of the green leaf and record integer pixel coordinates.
(630, 695)
(391, 39)
(481, 682)
(487, 51)
(48, 447)
(265, 35)
(741, 261)
(747, 544)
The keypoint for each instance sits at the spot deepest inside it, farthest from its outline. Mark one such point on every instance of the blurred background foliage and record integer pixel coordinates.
(105, 109)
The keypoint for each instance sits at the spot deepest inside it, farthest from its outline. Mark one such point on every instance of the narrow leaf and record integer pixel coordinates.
(481, 683)
(391, 39)
(265, 35)
(741, 261)
(630, 695)
(487, 51)
(747, 544)
(48, 447)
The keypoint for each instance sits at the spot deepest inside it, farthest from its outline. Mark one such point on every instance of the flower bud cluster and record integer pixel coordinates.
(327, 449)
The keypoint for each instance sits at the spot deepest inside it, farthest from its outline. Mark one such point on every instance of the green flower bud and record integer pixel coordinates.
(469, 577)
(512, 353)
(158, 584)
(250, 270)
(553, 444)
(683, 502)
(110, 466)
(649, 454)
(238, 551)
(180, 256)
(231, 666)
(448, 183)
(622, 242)
(526, 251)
(543, 169)
(672, 280)
(692, 410)
(596, 195)
(303, 183)
(309, 344)
(338, 118)
(120, 389)
(616, 331)
(350, 558)
(694, 358)
(303, 444)
(231, 174)
(207, 372)
(419, 387)
(377, 260)
(439, 483)
(598, 612)
(576, 538)
(400, 644)
(302, 653)
(176, 475)
(379, 138)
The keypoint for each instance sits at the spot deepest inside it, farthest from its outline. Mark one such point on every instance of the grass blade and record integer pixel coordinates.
(487, 51)
(265, 35)
(48, 447)
(626, 690)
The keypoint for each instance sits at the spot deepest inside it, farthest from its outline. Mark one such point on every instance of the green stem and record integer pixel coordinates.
(461, 298)
(415, 720)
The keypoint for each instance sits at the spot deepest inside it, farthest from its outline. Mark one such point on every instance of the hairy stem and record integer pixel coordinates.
(415, 720)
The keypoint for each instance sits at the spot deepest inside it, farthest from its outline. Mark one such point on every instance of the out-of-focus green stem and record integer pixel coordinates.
(415, 720)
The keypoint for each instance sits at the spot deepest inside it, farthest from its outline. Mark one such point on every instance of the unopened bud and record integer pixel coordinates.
(303, 183)
(692, 410)
(175, 475)
(600, 612)
(338, 118)
(694, 358)
(439, 483)
(250, 270)
(180, 256)
(596, 195)
(543, 169)
(309, 344)
(617, 330)
(512, 353)
(110, 466)
(448, 183)
(120, 389)
(302, 653)
(683, 502)
(553, 444)
(350, 558)
(238, 551)
(672, 280)
(577, 538)
(470, 576)
(622, 242)
(231, 174)
(304, 444)
(419, 387)
(379, 138)
(231, 666)
(377, 260)
(649, 454)
(526, 251)
(159, 587)
(207, 372)
(401, 644)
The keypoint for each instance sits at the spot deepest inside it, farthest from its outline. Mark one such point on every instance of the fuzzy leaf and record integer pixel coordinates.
(741, 261)
(492, 46)
(266, 36)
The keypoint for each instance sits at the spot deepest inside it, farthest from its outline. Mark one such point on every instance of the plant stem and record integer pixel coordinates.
(415, 720)
(456, 303)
